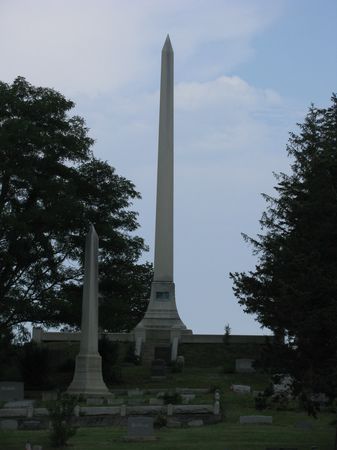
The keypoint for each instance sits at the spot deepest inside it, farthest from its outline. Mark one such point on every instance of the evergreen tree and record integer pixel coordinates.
(293, 289)
(51, 188)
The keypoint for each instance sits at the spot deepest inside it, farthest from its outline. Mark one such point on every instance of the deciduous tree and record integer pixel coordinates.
(51, 188)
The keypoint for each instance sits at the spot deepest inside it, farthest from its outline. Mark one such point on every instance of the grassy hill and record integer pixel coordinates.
(228, 435)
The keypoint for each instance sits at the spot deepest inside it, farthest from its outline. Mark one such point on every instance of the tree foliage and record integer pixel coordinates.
(51, 188)
(293, 289)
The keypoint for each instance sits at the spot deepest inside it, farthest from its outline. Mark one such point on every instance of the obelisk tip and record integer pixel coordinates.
(92, 230)
(167, 45)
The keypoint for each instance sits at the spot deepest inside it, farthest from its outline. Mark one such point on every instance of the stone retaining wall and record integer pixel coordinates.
(94, 416)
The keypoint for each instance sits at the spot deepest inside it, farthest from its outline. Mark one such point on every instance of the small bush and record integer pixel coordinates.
(260, 402)
(130, 356)
(60, 413)
(178, 365)
(67, 366)
(160, 421)
(172, 398)
(109, 352)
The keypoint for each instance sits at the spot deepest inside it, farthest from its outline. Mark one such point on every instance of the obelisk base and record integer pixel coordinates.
(88, 379)
(162, 313)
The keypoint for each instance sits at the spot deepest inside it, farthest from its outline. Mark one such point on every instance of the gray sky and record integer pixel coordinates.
(245, 73)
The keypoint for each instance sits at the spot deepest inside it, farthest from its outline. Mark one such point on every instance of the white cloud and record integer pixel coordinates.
(99, 46)
(228, 91)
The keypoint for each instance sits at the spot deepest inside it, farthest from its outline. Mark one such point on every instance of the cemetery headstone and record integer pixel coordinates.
(95, 401)
(216, 409)
(140, 428)
(303, 425)
(136, 401)
(156, 401)
(266, 420)
(186, 398)
(115, 401)
(8, 424)
(244, 365)
(11, 391)
(31, 425)
(180, 361)
(172, 423)
(240, 388)
(123, 410)
(195, 423)
(135, 392)
(19, 404)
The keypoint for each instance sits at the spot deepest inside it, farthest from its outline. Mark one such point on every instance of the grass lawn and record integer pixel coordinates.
(229, 435)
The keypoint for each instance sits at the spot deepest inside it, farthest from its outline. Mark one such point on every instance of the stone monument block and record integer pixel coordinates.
(11, 391)
(244, 365)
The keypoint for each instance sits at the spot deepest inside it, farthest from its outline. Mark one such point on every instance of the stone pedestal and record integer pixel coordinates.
(88, 378)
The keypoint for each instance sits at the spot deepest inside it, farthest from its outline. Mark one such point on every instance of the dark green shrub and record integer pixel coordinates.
(9, 367)
(130, 356)
(160, 421)
(60, 413)
(260, 402)
(172, 398)
(109, 352)
(34, 362)
(67, 366)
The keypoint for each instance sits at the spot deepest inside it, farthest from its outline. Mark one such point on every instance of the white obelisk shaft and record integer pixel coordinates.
(163, 260)
(161, 314)
(88, 379)
(89, 324)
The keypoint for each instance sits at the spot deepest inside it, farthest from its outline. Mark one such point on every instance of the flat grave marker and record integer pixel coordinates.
(140, 428)
(250, 420)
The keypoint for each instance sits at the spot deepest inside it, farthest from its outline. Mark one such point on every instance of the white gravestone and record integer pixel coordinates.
(240, 389)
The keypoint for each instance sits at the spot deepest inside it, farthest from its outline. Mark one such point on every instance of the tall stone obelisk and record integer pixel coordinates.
(88, 379)
(162, 314)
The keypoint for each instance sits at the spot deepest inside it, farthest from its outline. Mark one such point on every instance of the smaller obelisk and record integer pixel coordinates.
(88, 379)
